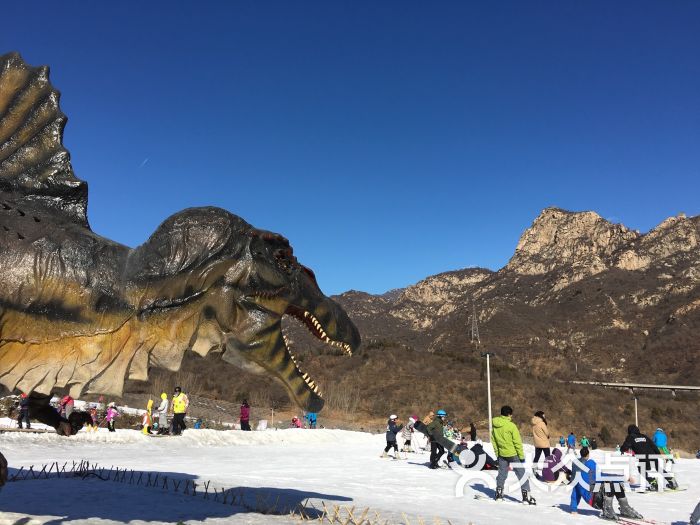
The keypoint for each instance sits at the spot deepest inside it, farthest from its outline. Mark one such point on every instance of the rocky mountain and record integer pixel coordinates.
(577, 288)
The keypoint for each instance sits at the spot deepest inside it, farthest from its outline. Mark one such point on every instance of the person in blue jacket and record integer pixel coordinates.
(661, 441)
(598, 490)
(311, 419)
(584, 476)
(571, 441)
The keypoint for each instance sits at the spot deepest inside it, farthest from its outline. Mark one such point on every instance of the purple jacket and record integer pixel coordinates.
(550, 462)
(245, 412)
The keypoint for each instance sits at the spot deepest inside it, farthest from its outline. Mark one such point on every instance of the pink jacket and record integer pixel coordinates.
(111, 414)
(245, 413)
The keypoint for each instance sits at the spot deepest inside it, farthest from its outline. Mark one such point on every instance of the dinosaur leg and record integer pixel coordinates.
(42, 411)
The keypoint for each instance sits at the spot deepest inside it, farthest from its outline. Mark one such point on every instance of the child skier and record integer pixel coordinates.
(146, 420)
(23, 411)
(110, 416)
(162, 411)
(407, 434)
(392, 428)
(93, 416)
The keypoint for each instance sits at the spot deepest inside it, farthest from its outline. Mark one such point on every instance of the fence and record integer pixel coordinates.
(250, 500)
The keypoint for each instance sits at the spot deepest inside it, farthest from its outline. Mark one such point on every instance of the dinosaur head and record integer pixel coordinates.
(244, 281)
(270, 284)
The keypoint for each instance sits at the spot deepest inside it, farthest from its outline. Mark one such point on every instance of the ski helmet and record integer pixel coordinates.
(164, 396)
(441, 413)
(393, 416)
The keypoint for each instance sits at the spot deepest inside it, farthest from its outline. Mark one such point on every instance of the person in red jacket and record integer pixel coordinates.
(245, 415)
(66, 406)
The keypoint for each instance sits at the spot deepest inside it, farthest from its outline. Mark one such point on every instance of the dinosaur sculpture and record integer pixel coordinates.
(79, 312)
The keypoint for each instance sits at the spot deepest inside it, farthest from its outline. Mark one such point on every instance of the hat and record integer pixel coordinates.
(164, 396)
(441, 413)
(23, 395)
(393, 416)
(178, 389)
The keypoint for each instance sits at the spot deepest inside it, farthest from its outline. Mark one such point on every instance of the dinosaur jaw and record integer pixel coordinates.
(301, 386)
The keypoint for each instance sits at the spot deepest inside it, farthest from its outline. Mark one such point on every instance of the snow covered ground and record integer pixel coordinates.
(335, 466)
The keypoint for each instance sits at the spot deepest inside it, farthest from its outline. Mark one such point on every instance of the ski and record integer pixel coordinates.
(681, 488)
(483, 497)
(633, 521)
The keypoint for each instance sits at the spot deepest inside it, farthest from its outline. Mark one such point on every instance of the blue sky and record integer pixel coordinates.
(388, 141)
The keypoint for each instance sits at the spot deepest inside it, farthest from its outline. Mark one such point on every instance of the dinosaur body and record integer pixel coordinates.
(79, 312)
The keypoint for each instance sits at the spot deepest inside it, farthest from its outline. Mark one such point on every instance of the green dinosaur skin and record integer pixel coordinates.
(79, 312)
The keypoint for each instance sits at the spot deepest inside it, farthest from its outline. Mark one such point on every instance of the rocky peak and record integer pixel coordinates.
(560, 239)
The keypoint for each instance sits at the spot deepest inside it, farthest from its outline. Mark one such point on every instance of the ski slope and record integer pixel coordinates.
(335, 466)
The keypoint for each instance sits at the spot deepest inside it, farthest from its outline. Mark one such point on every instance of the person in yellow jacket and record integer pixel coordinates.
(180, 405)
(508, 447)
(147, 419)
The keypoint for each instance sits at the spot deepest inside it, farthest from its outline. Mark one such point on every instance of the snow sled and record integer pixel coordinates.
(479, 458)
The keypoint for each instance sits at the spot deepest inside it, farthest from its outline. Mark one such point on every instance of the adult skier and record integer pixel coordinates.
(392, 428)
(587, 479)
(508, 447)
(661, 441)
(435, 431)
(571, 441)
(648, 455)
(180, 405)
(244, 417)
(540, 434)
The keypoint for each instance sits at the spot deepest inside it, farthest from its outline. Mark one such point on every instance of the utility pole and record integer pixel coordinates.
(488, 355)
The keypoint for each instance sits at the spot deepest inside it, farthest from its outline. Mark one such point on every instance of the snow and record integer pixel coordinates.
(335, 466)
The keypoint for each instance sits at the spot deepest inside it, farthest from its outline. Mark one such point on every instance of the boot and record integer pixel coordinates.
(528, 499)
(608, 511)
(384, 455)
(499, 494)
(628, 512)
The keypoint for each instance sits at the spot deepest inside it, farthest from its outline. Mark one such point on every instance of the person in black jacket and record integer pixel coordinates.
(648, 455)
(392, 428)
(23, 411)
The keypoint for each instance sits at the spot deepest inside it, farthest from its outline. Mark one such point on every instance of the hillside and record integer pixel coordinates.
(580, 298)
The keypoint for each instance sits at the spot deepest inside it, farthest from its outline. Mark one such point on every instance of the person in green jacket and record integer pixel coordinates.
(508, 447)
(585, 443)
(436, 429)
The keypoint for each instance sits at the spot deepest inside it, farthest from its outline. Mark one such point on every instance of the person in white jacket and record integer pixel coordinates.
(162, 411)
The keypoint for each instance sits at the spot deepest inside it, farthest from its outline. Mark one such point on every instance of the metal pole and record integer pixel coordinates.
(488, 382)
(636, 417)
(273, 418)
